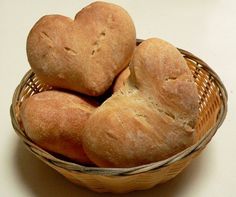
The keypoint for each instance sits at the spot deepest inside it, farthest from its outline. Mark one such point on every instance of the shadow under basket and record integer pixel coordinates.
(212, 111)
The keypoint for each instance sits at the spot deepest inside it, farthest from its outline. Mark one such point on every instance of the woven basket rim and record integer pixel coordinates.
(124, 171)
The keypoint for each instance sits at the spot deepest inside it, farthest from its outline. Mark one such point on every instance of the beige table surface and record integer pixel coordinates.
(207, 28)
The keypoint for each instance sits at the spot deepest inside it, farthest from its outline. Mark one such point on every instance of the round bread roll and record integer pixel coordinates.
(149, 119)
(84, 54)
(54, 121)
(121, 79)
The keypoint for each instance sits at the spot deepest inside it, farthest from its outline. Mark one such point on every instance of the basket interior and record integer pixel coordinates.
(209, 98)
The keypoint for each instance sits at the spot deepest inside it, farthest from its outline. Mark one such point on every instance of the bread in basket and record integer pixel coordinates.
(212, 111)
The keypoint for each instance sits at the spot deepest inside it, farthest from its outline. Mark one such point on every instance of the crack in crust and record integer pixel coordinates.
(170, 78)
(45, 36)
(97, 43)
(70, 50)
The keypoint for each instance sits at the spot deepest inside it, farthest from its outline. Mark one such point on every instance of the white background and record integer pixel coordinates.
(207, 28)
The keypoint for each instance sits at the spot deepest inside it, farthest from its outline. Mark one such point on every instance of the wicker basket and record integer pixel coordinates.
(213, 108)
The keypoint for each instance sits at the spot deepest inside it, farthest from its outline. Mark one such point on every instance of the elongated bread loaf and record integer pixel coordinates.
(54, 120)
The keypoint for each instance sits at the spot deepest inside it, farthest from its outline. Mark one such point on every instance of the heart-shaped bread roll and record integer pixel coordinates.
(54, 120)
(84, 54)
(149, 119)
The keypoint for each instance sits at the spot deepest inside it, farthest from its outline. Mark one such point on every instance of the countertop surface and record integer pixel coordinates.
(207, 28)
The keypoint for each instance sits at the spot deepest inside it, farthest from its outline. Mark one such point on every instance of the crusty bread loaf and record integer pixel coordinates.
(152, 117)
(54, 120)
(84, 54)
(121, 79)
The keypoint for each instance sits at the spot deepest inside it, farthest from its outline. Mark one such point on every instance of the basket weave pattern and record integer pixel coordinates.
(213, 108)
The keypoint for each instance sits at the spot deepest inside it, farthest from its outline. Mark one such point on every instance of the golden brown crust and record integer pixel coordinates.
(84, 54)
(121, 79)
(54, 120)
(152, 117)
